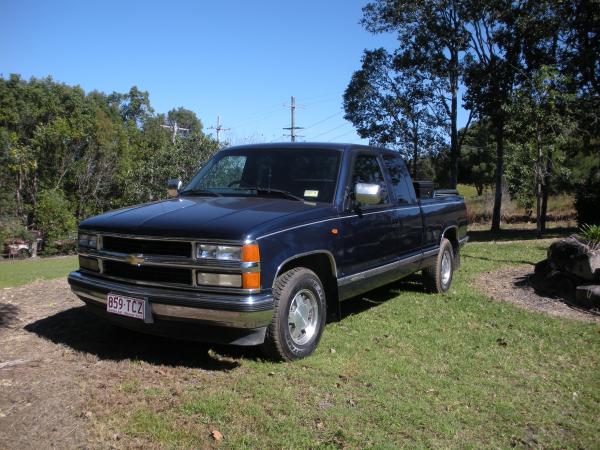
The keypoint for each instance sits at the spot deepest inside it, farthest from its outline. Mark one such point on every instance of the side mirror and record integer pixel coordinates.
(173, 186)
(367, 194)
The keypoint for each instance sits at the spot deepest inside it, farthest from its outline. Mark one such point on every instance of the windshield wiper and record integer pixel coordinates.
(266, 190)
(200, 192)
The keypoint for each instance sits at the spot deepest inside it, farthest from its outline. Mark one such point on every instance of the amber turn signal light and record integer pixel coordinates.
(251, 280)
(250, 253)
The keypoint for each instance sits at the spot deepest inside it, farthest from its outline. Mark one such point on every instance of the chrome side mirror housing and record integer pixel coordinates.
(367, 194)
(173, 186)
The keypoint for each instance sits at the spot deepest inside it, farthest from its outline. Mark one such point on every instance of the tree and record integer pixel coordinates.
(538, 124)
(477, 159)
(134, 106)
(432, 40)
(54, 217)
(97, 165)
(392, 108)
(85, 153)
(507, 40)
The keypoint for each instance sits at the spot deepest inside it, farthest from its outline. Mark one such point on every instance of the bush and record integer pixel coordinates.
(54, 218)
(587, 201)
(590, 233)
(11, 228)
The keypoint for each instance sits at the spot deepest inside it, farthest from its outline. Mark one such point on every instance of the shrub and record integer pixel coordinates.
(54, 218)
(12, 228)
(587, 201)
(590, 233)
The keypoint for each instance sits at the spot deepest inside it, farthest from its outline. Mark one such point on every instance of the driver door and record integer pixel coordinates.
(370, 238)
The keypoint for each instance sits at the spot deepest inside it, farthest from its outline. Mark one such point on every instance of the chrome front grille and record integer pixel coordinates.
(157, 261)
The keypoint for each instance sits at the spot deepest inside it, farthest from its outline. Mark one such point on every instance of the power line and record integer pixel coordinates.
(324, 120)
(254, 117)
(329, 131)
(341, 135)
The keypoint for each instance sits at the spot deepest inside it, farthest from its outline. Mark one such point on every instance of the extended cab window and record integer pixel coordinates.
(399, 177)
(367, 170)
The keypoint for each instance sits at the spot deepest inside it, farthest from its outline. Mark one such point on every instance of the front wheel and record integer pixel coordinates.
(299, 317)
(438, 277)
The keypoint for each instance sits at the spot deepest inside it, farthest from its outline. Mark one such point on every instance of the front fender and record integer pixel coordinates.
(278, 248)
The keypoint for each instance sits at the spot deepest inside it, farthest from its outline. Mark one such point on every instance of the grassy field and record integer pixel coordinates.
(479, 208)
(402, 369)
(18, 272)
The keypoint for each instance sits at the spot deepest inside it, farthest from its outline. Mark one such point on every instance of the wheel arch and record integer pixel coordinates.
(451, 233)
(323, 264)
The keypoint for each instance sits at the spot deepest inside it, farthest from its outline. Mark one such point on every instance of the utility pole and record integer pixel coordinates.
(175, 128)
(219, 128)
(293, 128)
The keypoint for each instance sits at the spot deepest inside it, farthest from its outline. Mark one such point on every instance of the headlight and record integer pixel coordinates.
(89, 264)
(224, 252)
(219, 279)
(88, 240)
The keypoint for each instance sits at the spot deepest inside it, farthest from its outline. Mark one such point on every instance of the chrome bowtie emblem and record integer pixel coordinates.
(135, 260)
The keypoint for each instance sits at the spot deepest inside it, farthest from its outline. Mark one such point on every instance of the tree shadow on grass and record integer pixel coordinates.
(376, 297)
(509, 261)
(518, 234)
(84, 332)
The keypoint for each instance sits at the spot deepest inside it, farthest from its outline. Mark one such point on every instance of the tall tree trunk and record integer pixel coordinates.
(415, 149)
(454, 150)
(499, 174)
(19, 201)
(538, 187)
(546, 191)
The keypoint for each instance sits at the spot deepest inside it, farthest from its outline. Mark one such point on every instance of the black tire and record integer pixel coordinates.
(23, 253)
(433, 278)
(304, 285)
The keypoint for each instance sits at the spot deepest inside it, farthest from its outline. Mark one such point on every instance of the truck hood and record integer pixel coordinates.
(226, 218)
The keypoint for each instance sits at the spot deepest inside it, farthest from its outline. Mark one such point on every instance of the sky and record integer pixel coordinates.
(240, 60)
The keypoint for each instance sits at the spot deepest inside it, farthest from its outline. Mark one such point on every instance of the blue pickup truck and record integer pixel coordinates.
(264, 242)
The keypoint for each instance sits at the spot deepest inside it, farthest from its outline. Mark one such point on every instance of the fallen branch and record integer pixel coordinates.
(14, 362)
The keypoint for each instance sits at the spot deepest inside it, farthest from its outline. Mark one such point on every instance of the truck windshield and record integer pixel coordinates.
(293, 174)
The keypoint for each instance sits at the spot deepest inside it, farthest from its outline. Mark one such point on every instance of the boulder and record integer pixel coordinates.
(576, 258)
(543, 268)
(588, 296)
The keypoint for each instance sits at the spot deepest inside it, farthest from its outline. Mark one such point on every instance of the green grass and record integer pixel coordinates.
(18, 272)
(412, 370)
(466, 190)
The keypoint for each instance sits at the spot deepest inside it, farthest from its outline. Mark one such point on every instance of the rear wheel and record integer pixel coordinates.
(299, 317)
(438, 277)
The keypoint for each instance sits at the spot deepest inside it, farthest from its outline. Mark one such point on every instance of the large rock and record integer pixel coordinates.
(574, 257)
(588, 296)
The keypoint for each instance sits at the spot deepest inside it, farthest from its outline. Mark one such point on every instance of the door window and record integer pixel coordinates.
(399, 177)
(367, 170)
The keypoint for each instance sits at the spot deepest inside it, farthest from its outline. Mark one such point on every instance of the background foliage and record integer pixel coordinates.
(66, 154)
(528, 73)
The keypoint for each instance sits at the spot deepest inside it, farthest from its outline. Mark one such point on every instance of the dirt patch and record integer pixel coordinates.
(65, 376)
(513, 285)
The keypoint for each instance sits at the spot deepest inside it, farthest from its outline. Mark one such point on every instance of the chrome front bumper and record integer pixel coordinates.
(222, 310)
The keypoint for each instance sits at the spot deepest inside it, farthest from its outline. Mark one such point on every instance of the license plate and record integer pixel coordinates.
(126, 306)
